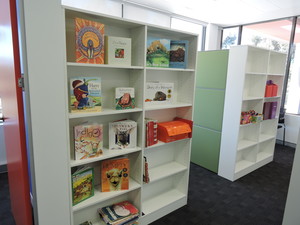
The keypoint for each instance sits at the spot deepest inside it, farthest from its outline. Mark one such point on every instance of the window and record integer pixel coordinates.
(230, 37)
(292, 103)
(1, 114)
(273, 35)
(195, 28)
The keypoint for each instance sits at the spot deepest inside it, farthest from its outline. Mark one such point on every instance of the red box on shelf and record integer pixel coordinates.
(174, 130)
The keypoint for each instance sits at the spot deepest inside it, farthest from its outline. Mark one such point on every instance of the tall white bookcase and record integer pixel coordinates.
(244, 148)
(168, 162)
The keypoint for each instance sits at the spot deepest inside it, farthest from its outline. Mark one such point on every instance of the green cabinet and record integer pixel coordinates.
(211, 75)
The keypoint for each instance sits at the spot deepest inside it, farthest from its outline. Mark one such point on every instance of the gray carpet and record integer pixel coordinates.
(256, 199)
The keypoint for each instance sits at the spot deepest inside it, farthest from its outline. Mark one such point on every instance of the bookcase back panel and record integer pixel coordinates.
(254, 86)
(257, 60)
(268, 127)
(164, 115)
(90, 213)
(111, 79)
(105, 120)
(256, 105)
(265, 149)
(277, 63)
(249, 132)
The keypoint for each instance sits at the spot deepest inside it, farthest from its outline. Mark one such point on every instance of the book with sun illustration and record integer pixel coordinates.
(82, 184)
(85, 94)
(115, 174)
(88, 140)
(89, 38)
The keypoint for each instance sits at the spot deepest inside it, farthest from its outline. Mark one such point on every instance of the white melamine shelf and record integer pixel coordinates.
(106, 155)
(165, 170)
(265, 137)
(160, 143)
(254, 73)
(263, 155)
(243, 164)
(274, 97)
(167, 106)
(252, 98)
(170, 69)
(162, 200)
(104, 112)
(103, 66)
(102, 196)
(275, 74)
(245, 144)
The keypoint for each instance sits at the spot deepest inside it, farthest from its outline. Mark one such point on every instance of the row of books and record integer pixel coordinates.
(86, 96)
(93, 46)
(269, 110)
(121, 213)
(114, 177)
(88, 138)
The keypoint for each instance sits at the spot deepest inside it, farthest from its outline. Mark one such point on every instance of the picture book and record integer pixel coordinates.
(89, 38)
(85, 94)
(158, 52)
(120, 213)
(125, 98)
(88, 140)
(117, 51)
(122, 134)
(157, 93)
(115, 174)
(82, 184)
(178, 54)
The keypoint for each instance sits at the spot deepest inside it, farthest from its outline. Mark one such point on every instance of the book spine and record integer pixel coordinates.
(151, 127)
(273, 110)
(155, 140)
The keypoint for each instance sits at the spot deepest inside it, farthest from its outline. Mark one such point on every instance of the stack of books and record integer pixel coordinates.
(119, 213)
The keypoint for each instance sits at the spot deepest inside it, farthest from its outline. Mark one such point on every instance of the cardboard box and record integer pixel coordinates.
(174, 130)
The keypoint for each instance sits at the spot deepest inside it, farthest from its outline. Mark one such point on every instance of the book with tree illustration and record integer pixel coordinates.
(158, 52)
(89, 38)
(82, 184)
(85, 94)
(115, 174)
(88, 140)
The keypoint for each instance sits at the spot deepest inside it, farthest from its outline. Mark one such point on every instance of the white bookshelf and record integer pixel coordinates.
(244, 148)
(168, 162)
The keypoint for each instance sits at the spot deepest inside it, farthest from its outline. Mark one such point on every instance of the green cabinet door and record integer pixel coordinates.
(206, 148)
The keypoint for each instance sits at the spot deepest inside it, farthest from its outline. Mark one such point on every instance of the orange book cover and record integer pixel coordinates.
(89, 41)
(115, 174)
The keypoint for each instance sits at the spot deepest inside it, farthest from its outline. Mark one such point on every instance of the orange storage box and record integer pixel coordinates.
(174, 130)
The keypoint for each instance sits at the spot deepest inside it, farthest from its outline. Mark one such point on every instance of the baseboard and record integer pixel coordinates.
(289, 144)
(3, 168)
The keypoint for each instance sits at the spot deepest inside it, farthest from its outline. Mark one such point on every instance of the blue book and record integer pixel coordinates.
(179, 54)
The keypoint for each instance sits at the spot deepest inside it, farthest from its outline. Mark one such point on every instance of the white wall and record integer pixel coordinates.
(2, 147)
(291, 213)
(292, 123)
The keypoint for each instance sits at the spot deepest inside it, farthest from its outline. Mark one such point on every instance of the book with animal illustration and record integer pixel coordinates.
(122, 134)
(89, 41)
(117, 51)
(115, 174)
(158, 52)
(122, 213)
(85, 94)
(82, 184)
(158, 93)
(125, 98)
(178, 54)
(88, 140)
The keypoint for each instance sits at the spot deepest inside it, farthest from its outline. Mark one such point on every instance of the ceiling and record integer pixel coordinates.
(226, 12)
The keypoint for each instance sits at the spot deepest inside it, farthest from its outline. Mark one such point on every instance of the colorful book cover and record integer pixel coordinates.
(85, 94)
(158, 93)
(125, 98)
(88, 141)
(89, 41)
(179, 54)
(82, 184)
(120, 213)
(115, 174)
(117, 51)
(122, 134)
(158, 52)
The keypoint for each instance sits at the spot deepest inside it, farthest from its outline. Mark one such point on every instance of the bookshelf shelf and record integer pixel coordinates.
(245, 148)
(102, 196)
(165, 170)
(168, 162)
